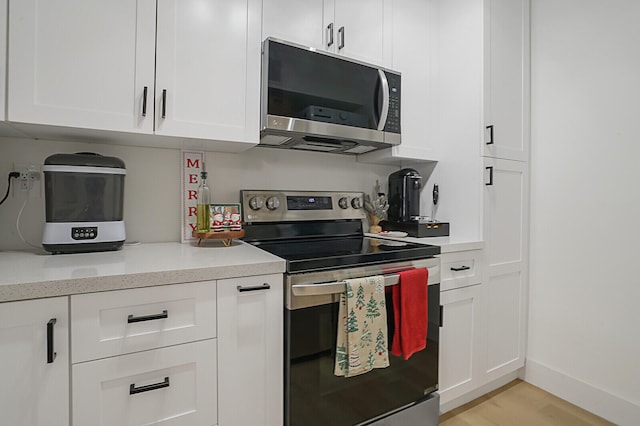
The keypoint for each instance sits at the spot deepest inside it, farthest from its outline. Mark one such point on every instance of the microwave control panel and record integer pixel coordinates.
(393, 118)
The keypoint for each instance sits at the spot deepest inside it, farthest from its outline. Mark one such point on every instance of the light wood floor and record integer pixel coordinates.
(522, 404)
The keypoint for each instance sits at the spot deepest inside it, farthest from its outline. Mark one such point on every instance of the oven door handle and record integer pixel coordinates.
(338, 286)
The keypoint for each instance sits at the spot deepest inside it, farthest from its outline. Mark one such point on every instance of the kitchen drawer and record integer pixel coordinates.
(124, 321)
(461, 269)
(173, 386)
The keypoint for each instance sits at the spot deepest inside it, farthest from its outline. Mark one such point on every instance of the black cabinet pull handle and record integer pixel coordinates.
(264, 286)
(144, 101)
(490, 141)
(341, 37)
(330, 35)
(490, 168)
(164, 314)
(441, 316)
(134, 390)
(461, 268)
(51, 355)
(164, 103)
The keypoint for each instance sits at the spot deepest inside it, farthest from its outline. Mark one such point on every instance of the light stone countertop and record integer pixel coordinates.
(447, 244)
(30, 274)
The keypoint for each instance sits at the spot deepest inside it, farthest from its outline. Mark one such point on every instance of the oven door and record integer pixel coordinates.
(314, 395)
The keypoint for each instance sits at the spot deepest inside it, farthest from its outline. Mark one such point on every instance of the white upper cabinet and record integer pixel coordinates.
(208, 69)
(81, 63)
(507, 93)
(346, 27)
(98, 65)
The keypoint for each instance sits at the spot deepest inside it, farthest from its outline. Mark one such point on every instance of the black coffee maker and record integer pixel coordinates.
(404, 195)
(404, 207)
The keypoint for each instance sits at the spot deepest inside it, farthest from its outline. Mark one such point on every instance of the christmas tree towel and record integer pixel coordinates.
(362, 327)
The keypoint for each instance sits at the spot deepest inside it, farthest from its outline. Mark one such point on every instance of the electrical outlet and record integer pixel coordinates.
(29, 180)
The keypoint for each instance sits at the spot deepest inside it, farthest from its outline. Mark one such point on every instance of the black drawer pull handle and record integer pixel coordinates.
(51, 355)
(461, 268)
(163, 315)
(490, 168)
(490, 129)
(441, 316)
(144, 102)
(264, 286)
(134, 390)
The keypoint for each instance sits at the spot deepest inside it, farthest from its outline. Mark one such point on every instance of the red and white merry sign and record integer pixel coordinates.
(191, 168)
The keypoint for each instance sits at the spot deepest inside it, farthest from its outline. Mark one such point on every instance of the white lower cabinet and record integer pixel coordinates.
(34, 367)
(250, 345)
(170, 386)
(460, 342)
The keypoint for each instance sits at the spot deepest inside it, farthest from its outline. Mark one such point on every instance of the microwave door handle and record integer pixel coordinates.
(385, 100)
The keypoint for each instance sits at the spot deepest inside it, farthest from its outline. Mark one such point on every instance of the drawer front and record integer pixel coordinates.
(169, 386)
(461, 269)
(125, 321)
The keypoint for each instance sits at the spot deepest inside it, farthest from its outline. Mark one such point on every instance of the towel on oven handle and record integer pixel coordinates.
(362, 327)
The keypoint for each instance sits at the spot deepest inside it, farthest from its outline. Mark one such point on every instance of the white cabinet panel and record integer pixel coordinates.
(460, 337)
(118, 322)
(461, 269)
(250, 336)
(33, 391)
(506, 329)
(171, 386)
(346, 27)
(81, 63)
(507, 78)
(505, 214)
(208, 69)
(295, 21)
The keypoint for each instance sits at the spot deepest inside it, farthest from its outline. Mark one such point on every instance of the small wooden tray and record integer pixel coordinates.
(225, 236)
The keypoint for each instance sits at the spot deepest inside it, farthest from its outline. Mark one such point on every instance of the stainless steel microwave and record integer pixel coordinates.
(318, 101)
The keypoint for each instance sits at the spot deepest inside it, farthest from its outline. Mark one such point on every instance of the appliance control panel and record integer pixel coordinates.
(282, 206)
(393, 117)
(84, 233)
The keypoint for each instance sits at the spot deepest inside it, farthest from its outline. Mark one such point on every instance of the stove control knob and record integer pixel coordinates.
(273, 203)
(256, 202)
(343, 202)
(356, 203)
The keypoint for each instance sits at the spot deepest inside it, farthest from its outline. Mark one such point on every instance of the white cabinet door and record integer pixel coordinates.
(348, 27)
(364, 30)
(34, 391)
(507, 79)
(506, 219)
(460, 337)
(82, 63)
(208, 69)
(250, 342)
(296, 21)
(170, 386)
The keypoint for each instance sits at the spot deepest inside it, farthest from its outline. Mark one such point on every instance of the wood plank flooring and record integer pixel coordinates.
(522, 404)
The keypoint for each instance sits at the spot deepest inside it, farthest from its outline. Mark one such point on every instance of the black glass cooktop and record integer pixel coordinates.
(339, 252)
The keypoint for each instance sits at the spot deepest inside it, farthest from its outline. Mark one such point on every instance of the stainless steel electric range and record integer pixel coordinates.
(320, 235)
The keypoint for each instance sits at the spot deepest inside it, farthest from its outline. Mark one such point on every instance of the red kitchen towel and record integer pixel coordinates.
(410, 313)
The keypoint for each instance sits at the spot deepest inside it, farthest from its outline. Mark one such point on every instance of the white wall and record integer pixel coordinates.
(152, 185)
(585, 224)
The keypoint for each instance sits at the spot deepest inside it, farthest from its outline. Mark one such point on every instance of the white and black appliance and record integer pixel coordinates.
(319, 101)
(320, 235)
(84, 197)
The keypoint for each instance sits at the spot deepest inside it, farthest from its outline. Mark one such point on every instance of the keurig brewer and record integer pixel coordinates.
(404, 207)
(84, 196)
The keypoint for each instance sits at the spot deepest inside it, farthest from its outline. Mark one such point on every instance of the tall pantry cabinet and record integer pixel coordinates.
(506, 185)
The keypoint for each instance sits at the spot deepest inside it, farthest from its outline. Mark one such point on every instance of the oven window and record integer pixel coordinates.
(315, 396)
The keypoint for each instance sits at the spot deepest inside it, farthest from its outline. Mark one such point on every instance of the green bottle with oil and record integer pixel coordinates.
(203, 208)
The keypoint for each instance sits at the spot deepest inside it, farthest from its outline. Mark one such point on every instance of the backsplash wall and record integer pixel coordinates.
(152, 185)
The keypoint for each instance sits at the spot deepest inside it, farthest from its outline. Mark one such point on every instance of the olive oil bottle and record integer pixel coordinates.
(203, 208)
